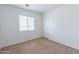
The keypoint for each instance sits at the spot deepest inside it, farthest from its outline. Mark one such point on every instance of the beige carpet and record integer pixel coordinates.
(39, 46)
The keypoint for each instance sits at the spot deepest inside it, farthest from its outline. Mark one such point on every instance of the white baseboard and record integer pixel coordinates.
(20, 41)
(61, 42)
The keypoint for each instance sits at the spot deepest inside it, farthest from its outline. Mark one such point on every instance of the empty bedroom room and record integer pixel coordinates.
(39, 29)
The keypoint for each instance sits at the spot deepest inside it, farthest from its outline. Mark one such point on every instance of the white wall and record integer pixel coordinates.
(63, 25)
(0, 28)
(10, 25)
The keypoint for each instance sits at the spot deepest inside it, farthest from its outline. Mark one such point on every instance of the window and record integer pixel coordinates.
(26, 23)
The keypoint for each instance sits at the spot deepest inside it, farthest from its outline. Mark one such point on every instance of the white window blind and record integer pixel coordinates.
(26, 23)
(31, 23)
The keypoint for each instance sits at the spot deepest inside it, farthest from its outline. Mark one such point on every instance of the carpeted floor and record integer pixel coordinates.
(39, 46)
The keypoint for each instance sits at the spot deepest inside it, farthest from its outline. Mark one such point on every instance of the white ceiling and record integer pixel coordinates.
(42, 8)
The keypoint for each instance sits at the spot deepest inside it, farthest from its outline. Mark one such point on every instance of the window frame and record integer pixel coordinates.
(27, 23)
